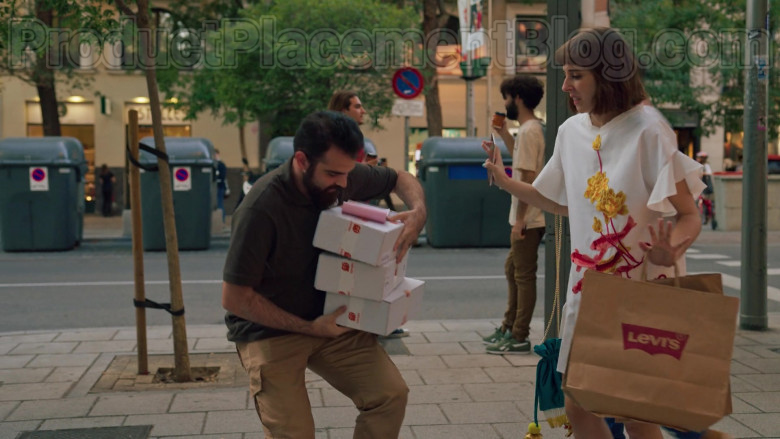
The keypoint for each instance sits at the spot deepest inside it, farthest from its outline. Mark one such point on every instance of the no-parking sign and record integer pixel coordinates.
(39, 178)
(407, 83)
(182, 178)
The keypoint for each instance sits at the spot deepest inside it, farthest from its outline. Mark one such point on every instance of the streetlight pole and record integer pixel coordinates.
(563, 17)
(753, 303)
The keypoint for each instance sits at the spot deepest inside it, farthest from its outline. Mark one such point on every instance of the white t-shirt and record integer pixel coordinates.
(613, 194)
(528, 155)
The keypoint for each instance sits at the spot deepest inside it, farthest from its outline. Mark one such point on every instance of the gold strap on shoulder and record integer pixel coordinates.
(557, 298)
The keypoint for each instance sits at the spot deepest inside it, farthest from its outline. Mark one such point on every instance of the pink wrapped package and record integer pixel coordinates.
(365, 211)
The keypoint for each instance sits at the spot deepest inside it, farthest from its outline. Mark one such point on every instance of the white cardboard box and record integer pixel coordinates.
(378, 317)
(336, 274)
(354, 238)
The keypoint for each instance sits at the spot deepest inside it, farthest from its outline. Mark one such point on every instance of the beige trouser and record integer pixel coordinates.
(354, 364)
(520, 271)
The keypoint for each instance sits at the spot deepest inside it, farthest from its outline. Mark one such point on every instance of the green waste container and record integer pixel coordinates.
(463, 210)
(281, 148)
(192, 165)
(41, 193)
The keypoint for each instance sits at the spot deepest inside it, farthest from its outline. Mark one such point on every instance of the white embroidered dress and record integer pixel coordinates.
(615, 179)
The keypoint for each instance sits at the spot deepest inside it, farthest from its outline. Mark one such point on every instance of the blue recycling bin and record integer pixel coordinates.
(192, 165)
(463, 210)
(281, 148)
(41, 193)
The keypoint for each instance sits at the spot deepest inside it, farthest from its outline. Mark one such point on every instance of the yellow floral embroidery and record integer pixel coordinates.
(612, 204)
(597, 184)
(597, 225)
(597, 143)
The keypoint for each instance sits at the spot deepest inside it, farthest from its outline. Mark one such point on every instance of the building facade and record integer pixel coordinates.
(97, 114)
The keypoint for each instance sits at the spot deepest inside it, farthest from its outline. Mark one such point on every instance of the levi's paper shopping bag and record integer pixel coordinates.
(653, 352)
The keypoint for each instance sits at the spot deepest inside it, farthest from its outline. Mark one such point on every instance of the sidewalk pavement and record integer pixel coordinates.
(51, 380)
(56, 380)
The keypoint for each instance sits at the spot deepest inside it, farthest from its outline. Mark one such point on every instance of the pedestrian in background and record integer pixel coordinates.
(348, 103)
(616, 173)
(708, 194)
(372, 159)
(521, 96)
(222, 187)
(275, 315)
(107, 180)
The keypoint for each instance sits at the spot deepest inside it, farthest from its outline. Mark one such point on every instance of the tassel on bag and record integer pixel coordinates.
(548, 395)
(534, 432)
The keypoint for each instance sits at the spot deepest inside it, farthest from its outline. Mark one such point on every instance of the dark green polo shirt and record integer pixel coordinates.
(271, 245)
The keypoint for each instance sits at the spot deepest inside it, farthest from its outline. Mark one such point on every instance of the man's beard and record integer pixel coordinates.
(322, 198)
(512, 112)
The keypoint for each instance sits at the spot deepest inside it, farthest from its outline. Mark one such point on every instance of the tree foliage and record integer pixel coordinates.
(304, 50)
(40, 41)
(692, 56)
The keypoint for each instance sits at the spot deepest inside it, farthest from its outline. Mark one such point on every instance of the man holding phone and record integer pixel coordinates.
(521, 96)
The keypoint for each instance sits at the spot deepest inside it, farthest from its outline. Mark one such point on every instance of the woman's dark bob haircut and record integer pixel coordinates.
(605, 53)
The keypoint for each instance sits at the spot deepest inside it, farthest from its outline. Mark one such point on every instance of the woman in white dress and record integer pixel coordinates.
(616, 173)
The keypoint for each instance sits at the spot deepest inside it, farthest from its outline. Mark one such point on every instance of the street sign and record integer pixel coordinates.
(407, 83)
(39, 178)
(181, 178)
(405, 107)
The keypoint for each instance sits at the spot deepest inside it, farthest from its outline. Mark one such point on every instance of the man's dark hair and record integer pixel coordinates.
(340, 100)
(528, 88)
(323, 129)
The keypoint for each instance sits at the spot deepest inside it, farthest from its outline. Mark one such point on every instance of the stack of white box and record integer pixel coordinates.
(361, 272)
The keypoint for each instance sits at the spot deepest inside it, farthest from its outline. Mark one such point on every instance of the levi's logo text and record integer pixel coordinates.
(654, 341)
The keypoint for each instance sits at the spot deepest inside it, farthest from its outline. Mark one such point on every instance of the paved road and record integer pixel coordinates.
(92, 286)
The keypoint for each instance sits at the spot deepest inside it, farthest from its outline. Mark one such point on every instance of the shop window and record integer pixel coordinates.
(531, 50)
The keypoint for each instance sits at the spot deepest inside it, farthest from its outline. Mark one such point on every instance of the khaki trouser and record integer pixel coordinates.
(520, 271)
(354, 364)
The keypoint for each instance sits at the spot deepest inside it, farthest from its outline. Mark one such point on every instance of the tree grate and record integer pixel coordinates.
(129, 432)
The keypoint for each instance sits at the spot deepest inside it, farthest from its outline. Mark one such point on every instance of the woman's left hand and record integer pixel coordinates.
(660, 250)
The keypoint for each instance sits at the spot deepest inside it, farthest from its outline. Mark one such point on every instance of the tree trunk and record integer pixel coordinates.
(242, 142)
(264, 128)
(181, 372)
(432, 102)
(44, 80)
